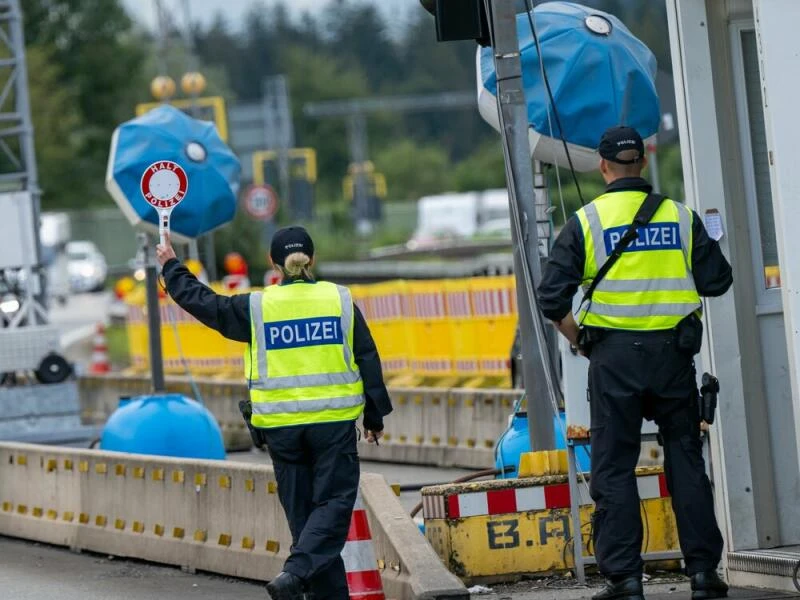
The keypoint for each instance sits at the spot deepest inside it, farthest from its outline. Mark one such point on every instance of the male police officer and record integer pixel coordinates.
(640, 330)
(312, 368)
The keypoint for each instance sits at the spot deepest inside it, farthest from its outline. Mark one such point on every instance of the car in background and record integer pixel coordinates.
(86, 266)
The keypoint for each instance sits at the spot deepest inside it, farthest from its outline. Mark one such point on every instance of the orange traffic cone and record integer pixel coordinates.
(363, 577)
(100, 361)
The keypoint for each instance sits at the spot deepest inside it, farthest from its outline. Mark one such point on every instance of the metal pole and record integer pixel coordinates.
(194, 253)
(519, 174)
(153, 313)
(161, 18)
(357, 137)
(279, 128)
(211, 256)
(652, 160)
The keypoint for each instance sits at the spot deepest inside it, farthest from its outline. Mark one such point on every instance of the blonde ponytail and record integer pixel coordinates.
(297, 266)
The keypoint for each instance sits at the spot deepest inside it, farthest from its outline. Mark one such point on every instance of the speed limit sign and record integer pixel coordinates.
(261, 202)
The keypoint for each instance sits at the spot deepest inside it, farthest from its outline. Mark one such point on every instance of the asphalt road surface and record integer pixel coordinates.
(80, 315)
(31, 571)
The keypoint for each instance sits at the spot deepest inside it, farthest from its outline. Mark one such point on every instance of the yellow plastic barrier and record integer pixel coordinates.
(447, 331)
(494, 304)
(185, 342)
(465, 341)
(432, 347)
(386, 308)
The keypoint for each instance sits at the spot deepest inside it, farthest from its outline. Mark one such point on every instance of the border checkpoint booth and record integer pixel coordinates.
(734, 64)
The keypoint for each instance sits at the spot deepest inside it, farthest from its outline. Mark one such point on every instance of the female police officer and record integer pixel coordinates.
(312, 369)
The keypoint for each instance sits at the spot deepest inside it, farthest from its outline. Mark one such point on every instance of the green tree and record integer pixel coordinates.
(671, 171)
(319, 77)
(413, 170)
(359, 37)
(484, 169)
(56, 120)
(99, 55)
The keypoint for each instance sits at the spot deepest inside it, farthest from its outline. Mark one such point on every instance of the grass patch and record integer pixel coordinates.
(117, 340)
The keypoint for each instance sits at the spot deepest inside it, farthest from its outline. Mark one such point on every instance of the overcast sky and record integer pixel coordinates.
(204, 10)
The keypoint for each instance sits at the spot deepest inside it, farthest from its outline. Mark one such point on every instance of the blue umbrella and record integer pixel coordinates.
(599, 73)
(168, 134)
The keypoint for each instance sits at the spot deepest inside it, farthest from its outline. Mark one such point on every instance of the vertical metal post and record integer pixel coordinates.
(652, 161)
(153, 312)
(575, 513)
(194, 253)
(210, 256)
(163, 36)
(278, 125)
(525, 239)
(357, 138)
(544, 231)
(27, 150)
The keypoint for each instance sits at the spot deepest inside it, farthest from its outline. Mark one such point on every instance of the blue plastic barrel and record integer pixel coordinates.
(516, 441)
(512, 443)
(165, 425)
(582, 453)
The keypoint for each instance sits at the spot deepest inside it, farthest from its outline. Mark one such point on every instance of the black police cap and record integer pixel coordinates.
(289, 240)
(617, 140)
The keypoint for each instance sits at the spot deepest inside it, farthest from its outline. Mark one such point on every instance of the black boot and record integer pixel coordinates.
(707, 585)
(286, 586)
(629, 588)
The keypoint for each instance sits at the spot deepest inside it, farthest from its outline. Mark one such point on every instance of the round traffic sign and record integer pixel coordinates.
(261, 202)
(164, 184)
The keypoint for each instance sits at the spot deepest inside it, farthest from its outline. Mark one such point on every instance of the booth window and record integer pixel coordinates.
(760, 158)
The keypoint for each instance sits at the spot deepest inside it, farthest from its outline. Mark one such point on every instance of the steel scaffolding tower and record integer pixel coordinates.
(17, 155)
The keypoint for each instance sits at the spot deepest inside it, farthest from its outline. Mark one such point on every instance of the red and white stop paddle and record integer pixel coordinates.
(164, 184)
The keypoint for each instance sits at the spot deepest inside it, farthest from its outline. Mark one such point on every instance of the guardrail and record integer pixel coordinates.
(218, 516)
(446, 427)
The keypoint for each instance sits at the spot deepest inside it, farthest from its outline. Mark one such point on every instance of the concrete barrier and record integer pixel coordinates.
(222, 517)
(48, 414)
(435, 426)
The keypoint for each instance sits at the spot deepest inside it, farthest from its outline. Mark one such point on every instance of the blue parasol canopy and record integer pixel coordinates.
(168, 134)
(599, 73)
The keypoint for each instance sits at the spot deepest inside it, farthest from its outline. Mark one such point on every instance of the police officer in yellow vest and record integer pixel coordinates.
(312, 369)
(640, 330)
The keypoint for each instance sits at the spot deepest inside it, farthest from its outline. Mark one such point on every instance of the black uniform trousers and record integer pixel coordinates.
(317, 471)
(635, 375)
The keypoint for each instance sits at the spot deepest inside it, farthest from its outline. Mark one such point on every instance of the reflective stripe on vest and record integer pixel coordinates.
(638, 294)
(264, 382)
(297, 406)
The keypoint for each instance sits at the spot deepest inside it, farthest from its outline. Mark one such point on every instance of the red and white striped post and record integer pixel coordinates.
(360, 562)
(100, 361)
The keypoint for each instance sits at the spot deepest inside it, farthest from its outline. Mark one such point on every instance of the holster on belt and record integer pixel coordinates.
(689, 335)
(587, 338)
(246, 408)
(708, 397)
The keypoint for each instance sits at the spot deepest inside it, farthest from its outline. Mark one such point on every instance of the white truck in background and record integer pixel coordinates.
(461, 216)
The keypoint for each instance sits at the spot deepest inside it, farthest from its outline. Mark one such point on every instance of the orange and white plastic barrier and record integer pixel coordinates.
(360, 562)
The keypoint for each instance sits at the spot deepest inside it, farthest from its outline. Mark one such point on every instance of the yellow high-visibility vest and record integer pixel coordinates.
(300, 365)
(651, 286)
